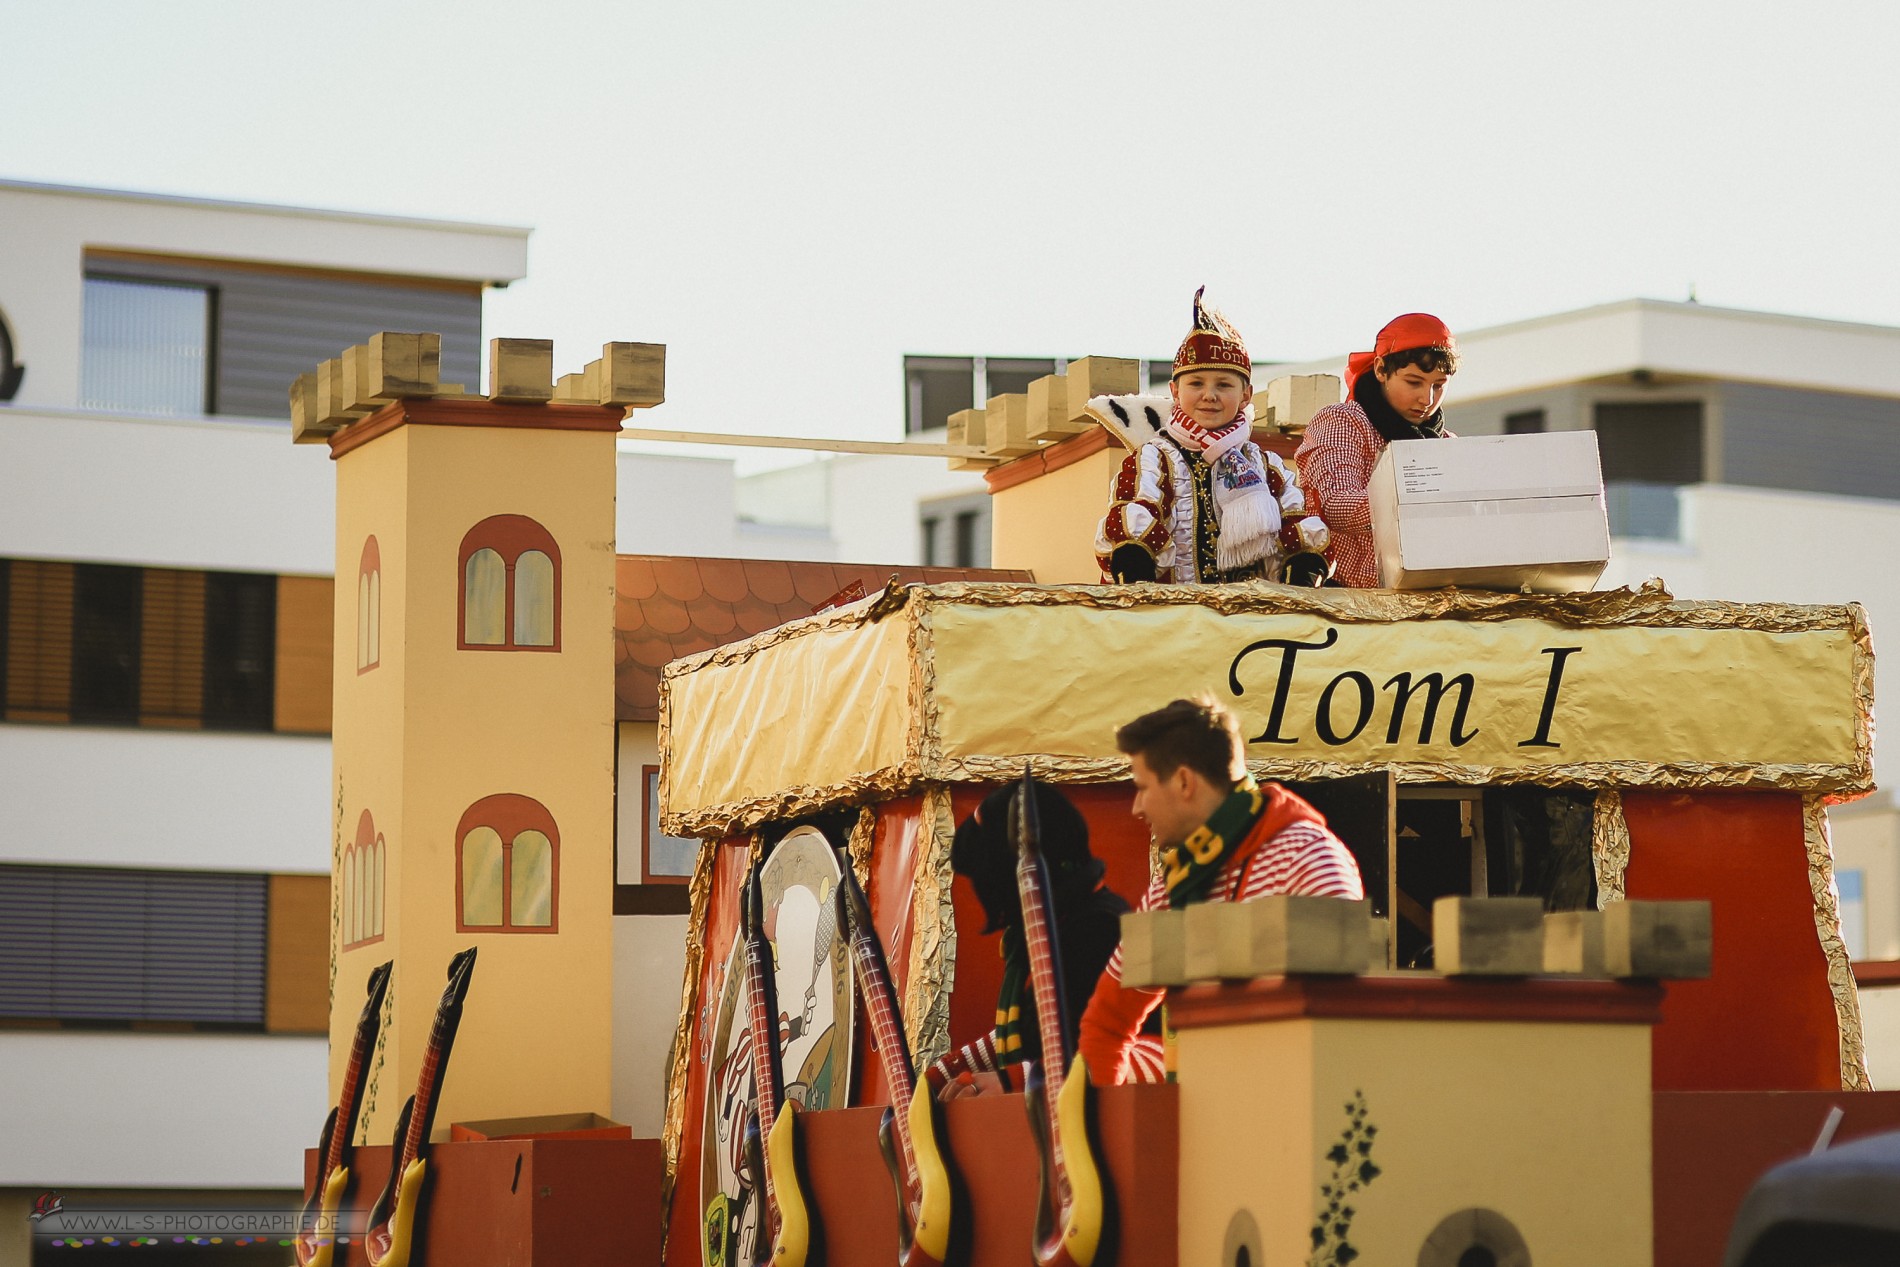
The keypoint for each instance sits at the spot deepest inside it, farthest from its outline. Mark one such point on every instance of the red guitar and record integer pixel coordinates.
(928, 1233)
(1072, 1206)
(772, 1137)
(391, 1238)
(316, 1238)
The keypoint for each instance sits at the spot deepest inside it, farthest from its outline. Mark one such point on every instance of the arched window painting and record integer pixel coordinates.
(360, 886)
(511, 587)
(508, 864)
(369, 608)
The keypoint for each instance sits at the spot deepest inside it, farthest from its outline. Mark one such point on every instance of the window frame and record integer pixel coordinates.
(649, 814)
(509, 536)
(508, 815)
(365, 856)
(369, 593)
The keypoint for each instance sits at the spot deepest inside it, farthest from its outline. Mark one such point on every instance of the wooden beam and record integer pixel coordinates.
(891, 448)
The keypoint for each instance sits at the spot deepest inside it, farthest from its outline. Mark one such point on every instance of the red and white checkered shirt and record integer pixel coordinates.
(1336, 457)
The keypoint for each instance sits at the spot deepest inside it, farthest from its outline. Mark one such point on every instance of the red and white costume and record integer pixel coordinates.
(1182, 504)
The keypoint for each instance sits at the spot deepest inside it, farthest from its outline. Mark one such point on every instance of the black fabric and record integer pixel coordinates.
(1206, 525)
(1389, 422)
(1087, 913)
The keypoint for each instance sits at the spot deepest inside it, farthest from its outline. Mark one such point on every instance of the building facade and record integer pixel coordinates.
(165, 609)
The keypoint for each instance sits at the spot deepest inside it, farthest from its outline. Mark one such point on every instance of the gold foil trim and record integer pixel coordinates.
(1827, 923)
(863, 836)
(1863, 700)
(933, 934)
(674, 1127)
(726, 819)
(1647, 605)
(1609, 846)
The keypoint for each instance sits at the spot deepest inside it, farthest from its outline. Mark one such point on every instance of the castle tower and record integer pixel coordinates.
(474, 728)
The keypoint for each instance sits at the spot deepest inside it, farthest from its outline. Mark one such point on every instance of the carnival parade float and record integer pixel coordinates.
(1600, 938)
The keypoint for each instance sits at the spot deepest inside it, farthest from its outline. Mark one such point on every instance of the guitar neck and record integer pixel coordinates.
(765, 1064)
(1044, 984)
(887, 1032)
(351, 1094)
(1045, 979)
(441, 1034)
(346, 1103)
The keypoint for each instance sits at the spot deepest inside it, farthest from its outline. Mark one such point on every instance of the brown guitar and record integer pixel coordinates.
(928, 1232)
(391, 1238)
(1072, 1221)
(317, 1230)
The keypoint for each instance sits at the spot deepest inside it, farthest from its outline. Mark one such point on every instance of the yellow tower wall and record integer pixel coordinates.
(434, 729)
(1046, 523)
(1547, 1124)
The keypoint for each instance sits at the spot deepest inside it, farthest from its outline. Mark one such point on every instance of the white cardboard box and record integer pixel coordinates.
(1491, 512)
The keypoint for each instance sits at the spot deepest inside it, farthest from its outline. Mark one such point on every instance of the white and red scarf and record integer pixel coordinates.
(1248, 512)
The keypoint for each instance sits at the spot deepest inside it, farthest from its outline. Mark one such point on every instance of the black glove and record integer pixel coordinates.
(1131, 563)
(1308, 569)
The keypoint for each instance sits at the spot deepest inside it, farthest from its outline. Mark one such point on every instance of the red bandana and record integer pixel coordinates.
(1401, 334)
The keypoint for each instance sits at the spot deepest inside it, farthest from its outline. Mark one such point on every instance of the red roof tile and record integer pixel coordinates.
(666, 616)
(634, 578)
(724, 579)
(667, 606)
(770, 579)
(679, 578)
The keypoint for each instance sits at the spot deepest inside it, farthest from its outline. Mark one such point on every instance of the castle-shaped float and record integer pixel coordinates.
(1556, 801)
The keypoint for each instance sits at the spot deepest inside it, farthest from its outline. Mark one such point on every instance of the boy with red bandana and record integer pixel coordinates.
(1397, 390)
(1198, 503)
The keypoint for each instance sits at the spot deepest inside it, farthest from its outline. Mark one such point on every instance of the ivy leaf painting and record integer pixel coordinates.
(1353, 1170)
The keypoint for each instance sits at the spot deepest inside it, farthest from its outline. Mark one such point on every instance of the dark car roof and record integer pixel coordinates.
(1855, 1186)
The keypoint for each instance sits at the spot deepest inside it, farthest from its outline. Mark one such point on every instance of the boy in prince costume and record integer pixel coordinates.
(1199, 502)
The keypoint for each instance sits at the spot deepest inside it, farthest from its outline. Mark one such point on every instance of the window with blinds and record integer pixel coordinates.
(146, 348)
(110, 945)
(104, 644)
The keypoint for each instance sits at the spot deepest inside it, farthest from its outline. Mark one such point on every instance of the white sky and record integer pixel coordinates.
(792, 196)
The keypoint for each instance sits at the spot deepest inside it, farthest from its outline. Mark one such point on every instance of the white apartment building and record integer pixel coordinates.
(165, 561)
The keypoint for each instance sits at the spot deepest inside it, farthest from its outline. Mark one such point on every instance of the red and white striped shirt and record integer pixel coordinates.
(1302, 858)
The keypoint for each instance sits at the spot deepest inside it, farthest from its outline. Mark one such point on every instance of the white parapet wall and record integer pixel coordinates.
(228, 494)
(109, 1110)
(105, 797)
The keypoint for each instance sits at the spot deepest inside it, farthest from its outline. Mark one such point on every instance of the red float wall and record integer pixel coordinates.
(1764, 1020)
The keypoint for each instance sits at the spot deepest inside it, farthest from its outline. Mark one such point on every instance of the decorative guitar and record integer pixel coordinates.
(772, 1136)
(316, 1237)
(390, 1240)
(1072, 1206)
(928, 1233)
